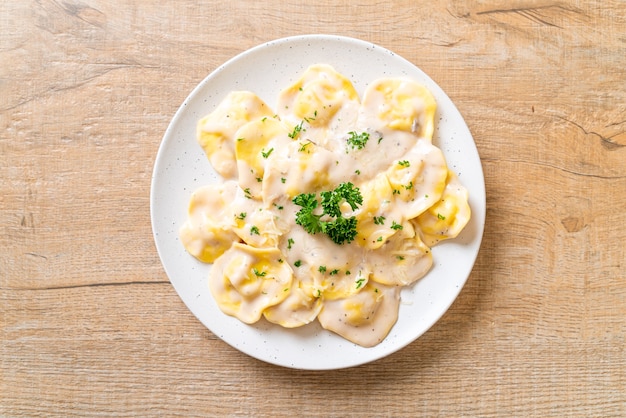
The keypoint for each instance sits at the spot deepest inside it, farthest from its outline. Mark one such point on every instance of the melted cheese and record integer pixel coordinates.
(323, 135)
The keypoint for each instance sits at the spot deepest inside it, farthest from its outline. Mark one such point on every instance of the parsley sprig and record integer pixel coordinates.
(358, 141)
(339, 228)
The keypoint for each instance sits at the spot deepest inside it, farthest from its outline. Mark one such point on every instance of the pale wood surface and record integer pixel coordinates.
(89, 322)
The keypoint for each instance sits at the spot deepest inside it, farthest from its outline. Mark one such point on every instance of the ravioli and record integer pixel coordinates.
(246, 280)
(216, 131)
(329, 204)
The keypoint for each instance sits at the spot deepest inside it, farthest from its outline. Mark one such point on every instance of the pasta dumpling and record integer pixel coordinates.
(246, 280)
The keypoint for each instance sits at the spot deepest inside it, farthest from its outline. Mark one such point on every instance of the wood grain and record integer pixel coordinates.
(89, 322)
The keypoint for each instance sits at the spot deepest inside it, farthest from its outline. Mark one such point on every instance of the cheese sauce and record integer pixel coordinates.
(323, 135)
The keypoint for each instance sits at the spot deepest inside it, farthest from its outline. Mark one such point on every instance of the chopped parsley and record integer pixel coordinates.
(283, 180)
(290, 242)
(254, 230)
(296, 131)
(241, 216)
(404, 163)
(440, 216)
(396, 226)
(358, 141)
(359, 282)
(267, 153)
(379, 220)
(335, 271)
(322, 269)
(259, 273)
(309, 119)
(303, 146)
(298, 263)
(246, 192)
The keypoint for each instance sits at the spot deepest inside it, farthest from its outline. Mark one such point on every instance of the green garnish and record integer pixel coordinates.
(241, 216)
(290, 242)
(358, 141)
(303, 146)
(360, 282)
(296, 130)
(322, 269)
(298, 263)
(259, 273)
(396, 226)
(246, 192)
(266, 154)
(404, 163)
(339, 229)
(305, 216)
(254, 230)
(283, 180)
(345, 191)
(440, 216)
(335, 271)
(379, 220)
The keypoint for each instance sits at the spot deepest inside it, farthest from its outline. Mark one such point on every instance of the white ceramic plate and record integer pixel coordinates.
(181, 167)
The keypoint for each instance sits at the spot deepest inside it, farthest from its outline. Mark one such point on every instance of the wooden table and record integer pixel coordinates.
(89, 322)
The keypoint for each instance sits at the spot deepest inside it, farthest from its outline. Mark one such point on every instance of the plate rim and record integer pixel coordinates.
(254, 50)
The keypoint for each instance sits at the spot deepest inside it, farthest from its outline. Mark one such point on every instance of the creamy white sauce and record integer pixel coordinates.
(267, 265)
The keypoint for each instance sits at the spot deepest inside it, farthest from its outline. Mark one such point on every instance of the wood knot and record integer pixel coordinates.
(572, 224)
